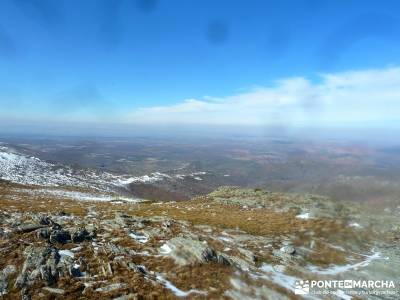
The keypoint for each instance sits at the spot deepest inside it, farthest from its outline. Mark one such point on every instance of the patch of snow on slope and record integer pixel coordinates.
(141, 238)
(84, 196)
(355, 225)
(178, 292)
(31, 170)
(153, 177)
(23, 169)
(334, 270)
(66, 253)
(165, 249)
(279, 278)
(304, 216)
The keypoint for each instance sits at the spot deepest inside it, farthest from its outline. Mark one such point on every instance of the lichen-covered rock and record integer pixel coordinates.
(25, 228)
(43, 233)
(54, 290)
(188, 250)
(40, 262)
(111, 287)
(60, 236)
(315, 205)
(4, 234)
(4, 274)
(80, 235)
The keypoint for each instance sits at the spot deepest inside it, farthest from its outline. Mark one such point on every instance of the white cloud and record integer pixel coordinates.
(353, 97)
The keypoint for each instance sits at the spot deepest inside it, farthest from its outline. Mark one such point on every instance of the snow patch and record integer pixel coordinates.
(225, 239)
(334, 270)
(355, 225)
(153, 177)
(66, 253)
(178, 292)
(165, 249)
(74, 195)
(286, 281)
(23, 169)
(141, 238)
(304, 216)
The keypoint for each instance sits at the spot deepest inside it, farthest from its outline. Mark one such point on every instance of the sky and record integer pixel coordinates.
(202, 63)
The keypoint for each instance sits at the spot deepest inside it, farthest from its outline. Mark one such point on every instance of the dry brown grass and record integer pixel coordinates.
(253, 221)
(260, 222)
(197, 212)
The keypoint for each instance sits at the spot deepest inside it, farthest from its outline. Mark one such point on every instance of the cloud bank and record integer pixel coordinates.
(346, 98)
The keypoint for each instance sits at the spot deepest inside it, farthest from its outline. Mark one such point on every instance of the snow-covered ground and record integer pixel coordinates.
(23, 169)
(83, 196)
(334, 270)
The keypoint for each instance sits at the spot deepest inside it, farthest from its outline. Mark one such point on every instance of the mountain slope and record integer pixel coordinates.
(234, 244)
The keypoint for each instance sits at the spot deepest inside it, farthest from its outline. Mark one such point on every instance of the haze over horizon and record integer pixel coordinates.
(118, 64)
(182, 149)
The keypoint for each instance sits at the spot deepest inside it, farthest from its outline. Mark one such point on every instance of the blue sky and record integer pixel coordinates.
(198, 61)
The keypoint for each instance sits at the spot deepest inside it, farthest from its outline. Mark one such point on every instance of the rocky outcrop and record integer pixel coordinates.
(312, 206)
(4, 275)
(40, 263)
(185, 250)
